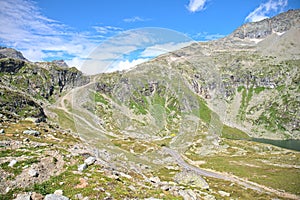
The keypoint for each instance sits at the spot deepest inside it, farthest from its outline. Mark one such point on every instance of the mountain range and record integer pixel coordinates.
(179, 126)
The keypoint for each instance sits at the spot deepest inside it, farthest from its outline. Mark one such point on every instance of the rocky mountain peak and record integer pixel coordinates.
(11, 53)
(278, 24)
(60, 63)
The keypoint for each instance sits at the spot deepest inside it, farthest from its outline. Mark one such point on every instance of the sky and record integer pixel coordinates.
(118, 34)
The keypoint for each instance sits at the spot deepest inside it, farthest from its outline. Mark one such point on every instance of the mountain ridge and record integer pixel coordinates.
(277, 24)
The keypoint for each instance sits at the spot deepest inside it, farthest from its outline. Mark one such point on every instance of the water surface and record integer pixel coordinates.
(288, 144)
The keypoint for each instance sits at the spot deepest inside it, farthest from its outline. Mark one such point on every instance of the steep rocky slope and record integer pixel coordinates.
(278, 24)
(11, 53)
(26, 87)
(250, 84)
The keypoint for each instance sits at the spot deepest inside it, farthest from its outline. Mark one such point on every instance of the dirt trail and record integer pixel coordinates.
(86, 121)
(203, 172)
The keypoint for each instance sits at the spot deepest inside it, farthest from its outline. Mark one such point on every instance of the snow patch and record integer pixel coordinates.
(279, 33)
(256, 40)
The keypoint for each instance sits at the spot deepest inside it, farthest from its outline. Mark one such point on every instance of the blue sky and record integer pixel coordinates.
(71, 30)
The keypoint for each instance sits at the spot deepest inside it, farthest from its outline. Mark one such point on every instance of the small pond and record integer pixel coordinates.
(288, 144)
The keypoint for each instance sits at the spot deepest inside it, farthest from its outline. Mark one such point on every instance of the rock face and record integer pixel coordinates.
(60, 63)
(15, 104)
(39, 79)
(10, 65)
(11, 53)
(25, 85)
(261, 29)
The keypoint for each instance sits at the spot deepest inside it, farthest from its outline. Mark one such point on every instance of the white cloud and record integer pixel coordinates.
(106, 29)
(196, 5)
(264, 10)
(159, 49)
(135, 19)
(24, 27)
(124, 50)
(126, 64)
(75, 62)
(39, 38)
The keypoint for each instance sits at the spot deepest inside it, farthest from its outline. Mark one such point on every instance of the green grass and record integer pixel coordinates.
(99, 98)
(16, 153)
(117, 188)
(280, 88)
(233, 133)
(17, 168)
(166, 174)
(287, 179)
(204, 111)
(258, 90)
(236, 191)
(240, 88)
(246, 98)
(137, 107)
(65, 120)
(253, 164)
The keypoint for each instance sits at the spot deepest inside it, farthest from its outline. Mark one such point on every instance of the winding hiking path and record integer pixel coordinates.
(203, 172)
(85, 121)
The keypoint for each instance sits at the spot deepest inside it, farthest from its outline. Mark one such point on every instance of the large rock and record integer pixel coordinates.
(191, 179)
(33, 173)
(90, 160)
(59, 192)
(154, 179)
(82, 167)
(36, 196)
(223, 193)
(32, 132)
(16, 104)
(12, 163)
(55, 197)
(26, 196)
(188, 194)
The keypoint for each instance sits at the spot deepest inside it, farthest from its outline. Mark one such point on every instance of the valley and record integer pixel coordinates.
(183, 125)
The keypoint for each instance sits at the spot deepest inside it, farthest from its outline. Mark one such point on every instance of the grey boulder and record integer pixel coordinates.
(55, 197)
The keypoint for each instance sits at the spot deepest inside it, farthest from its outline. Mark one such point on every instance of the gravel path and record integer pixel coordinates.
(248, 184)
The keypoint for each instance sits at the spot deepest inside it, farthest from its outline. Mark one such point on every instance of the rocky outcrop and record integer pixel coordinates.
(191, 179)
(11, 53)
(280, 23)
(60, 63)
(9, 65)
(25, 85)
(14, 105)
(37, 79)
